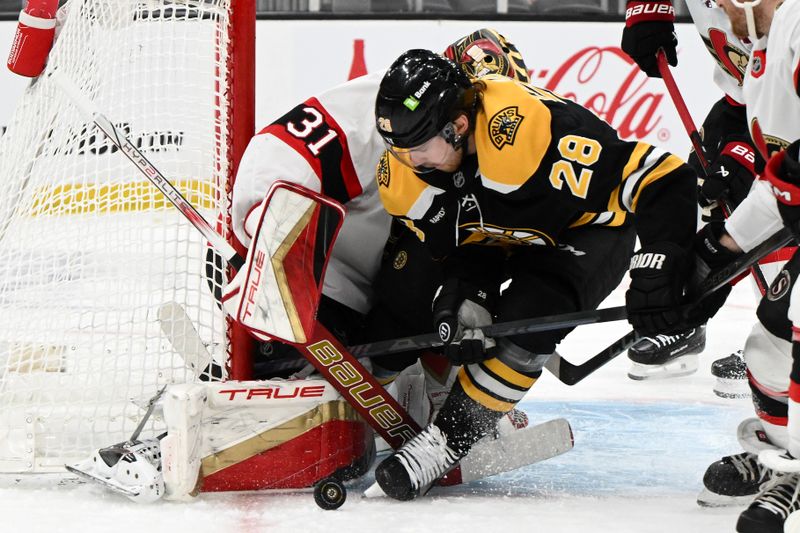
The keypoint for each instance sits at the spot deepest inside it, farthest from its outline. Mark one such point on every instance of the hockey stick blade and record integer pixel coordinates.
(490, 457)
(571, 374)
(179, 329)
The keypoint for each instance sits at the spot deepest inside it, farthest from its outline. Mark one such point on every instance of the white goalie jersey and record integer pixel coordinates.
(328, 144)
(729, 52)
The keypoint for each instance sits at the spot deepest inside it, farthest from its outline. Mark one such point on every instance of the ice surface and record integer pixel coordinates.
(640, 452)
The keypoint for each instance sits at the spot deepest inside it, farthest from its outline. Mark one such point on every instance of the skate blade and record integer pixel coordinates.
(731, 389)
(680, 366)
(374, 491)
(119, 489)
(710, 499)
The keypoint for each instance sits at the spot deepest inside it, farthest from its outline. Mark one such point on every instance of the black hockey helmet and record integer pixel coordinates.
(420, 94)
(487, 52)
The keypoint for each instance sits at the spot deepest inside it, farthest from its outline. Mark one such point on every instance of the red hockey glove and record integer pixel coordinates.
(731, 174)
(648, 28)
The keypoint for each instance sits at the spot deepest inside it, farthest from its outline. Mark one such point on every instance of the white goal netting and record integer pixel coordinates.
(89, 249)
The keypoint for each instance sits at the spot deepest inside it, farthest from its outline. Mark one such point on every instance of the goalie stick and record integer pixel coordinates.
(322, 349)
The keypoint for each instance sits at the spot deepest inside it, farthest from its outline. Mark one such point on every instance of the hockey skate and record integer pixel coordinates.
(773, 505)
(414, 468)
(667, 356)
(733, 480)
(731, 374)
(131, 469)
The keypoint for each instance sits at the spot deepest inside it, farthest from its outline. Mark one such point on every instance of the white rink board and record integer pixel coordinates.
(296, 59)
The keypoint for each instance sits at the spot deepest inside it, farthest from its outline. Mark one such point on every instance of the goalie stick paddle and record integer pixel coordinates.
(697, 144)
(490, 457)
(571, 374)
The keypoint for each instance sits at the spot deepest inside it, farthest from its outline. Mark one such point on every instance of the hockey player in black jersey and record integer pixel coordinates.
(504, 181)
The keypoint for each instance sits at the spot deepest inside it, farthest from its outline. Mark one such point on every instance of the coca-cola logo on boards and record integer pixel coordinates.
(607, 81)
(601, 78)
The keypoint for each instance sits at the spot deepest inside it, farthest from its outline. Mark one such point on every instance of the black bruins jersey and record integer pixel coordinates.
(543, 166)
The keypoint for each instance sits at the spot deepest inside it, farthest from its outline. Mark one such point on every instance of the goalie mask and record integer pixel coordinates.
(487, 52)
(419, 96)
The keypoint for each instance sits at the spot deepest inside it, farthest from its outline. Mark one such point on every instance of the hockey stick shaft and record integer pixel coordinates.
(149, 171)
(501, 329)
(697, 143)
(571, 374)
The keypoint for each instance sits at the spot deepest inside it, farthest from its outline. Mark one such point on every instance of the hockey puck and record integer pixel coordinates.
(330, 494)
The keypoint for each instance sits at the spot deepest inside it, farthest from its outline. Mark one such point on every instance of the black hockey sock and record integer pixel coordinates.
(464, 421)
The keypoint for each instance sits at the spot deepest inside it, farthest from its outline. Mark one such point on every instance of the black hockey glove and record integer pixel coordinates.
(783, 173)
(710, 256)
(655, 298)
(459, 309)
(731, 174)
(648, 28)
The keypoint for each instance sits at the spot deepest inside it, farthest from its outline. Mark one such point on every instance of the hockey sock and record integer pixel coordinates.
(481, 395)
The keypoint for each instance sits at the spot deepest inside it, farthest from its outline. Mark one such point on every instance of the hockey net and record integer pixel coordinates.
(89, 249)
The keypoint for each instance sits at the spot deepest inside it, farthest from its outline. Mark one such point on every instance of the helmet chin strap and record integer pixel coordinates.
(748, 6)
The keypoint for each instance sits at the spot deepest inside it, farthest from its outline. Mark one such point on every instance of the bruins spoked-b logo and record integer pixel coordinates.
(503, 126)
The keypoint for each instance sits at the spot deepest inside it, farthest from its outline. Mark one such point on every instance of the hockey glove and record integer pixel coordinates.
(710, 256)
(655, 298)
(648, 28)
(731, 174)
(783, 174)
(459, 310)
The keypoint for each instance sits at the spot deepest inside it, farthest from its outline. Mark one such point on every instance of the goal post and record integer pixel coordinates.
(89, 249)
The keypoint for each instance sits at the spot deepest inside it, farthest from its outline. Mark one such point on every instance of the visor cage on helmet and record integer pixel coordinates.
(428, 155)
(421, 94)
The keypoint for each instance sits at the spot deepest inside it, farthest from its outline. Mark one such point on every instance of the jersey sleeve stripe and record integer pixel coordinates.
(668, 165)
(348, 171)
(632, 186)
(326, 153)
(641, 152)
(796, 80)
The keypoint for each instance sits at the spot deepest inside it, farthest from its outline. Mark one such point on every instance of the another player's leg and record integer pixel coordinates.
(781, 497)
(767, 355)
(543, 283)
